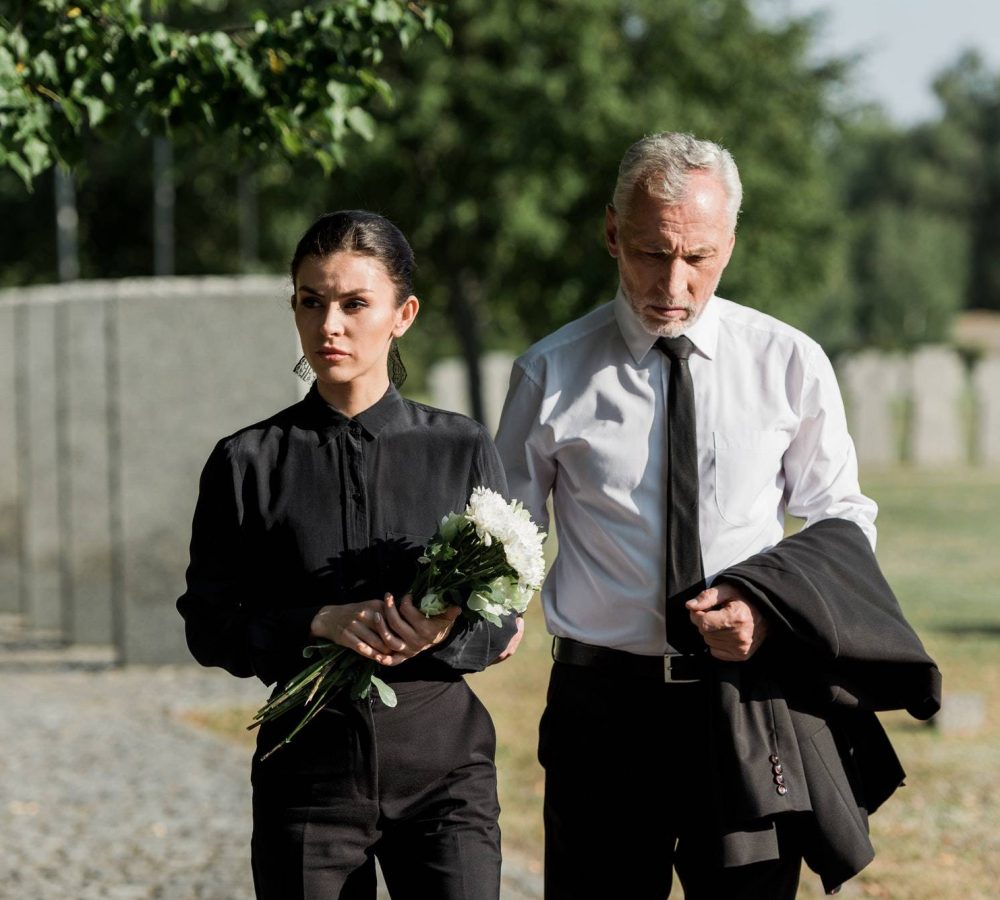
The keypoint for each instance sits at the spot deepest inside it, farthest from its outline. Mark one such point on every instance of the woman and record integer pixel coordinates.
(308, 526)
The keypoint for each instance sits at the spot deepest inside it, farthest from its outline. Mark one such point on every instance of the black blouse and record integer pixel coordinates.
(310, 508)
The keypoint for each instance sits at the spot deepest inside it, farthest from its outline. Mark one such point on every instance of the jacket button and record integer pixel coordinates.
(776, 768)
(779, 779)
(774, 759)
(781, 789)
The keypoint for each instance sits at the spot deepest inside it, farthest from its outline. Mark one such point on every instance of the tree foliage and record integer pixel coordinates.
(281, 76)
(924, 210)
(501, 154)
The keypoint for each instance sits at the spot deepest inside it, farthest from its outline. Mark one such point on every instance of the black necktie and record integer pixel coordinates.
(685, 575)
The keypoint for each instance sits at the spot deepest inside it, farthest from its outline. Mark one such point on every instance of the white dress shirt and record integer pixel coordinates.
(585, 421)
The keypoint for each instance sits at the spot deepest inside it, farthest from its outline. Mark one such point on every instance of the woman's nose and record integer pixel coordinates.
(333, 321)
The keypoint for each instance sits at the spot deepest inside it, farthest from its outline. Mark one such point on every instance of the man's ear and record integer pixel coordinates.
(611, 230)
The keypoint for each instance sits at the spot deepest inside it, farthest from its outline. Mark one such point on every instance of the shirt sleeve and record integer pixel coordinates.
(221, 627)
(520, 442)
(820, 464)
(472, 646)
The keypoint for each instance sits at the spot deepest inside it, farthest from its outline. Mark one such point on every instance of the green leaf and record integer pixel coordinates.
(385, 693)
(444, 32)
(36, 152)
(362, 122)
(291, 141)
(22, 169)
(96, 110)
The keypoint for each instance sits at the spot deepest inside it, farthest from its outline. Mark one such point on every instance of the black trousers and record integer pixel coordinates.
(414, 786)
(628, 795)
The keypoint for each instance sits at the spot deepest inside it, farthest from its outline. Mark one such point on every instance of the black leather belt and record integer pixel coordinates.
(671, 668)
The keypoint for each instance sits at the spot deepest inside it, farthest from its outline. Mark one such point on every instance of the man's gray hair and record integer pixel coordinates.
(661, 165)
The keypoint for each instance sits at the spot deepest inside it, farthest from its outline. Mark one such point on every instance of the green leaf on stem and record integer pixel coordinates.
(385, 693)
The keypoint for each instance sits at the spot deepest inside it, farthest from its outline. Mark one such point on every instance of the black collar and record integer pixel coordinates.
(371, 420)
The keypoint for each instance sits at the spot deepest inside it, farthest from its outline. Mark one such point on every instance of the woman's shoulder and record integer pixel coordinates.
(251, 439)
(458, 424)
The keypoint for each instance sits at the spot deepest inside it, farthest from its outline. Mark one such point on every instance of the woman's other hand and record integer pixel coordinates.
(512, 644)
(360, 627)
(417, 631)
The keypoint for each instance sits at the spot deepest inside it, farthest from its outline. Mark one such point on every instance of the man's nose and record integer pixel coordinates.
(675, 278)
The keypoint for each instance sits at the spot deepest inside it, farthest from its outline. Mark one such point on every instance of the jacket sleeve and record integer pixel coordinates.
(471, 646)
(222, 627)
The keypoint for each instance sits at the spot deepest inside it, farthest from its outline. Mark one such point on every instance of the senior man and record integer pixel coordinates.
(674, 430)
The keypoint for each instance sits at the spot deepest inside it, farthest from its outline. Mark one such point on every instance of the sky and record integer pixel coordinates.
(905, 42)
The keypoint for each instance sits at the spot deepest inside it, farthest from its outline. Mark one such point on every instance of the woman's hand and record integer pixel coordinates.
(512, 644)
(382, 631)
(414, 629)
(360, 627)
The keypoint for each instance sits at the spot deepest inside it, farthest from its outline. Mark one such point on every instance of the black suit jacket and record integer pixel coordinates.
(839, 648)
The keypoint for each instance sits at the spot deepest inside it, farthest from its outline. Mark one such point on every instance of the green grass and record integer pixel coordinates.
(939, 544)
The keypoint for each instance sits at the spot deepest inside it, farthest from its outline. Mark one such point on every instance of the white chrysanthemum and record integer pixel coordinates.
(496, 519)
(489, 513)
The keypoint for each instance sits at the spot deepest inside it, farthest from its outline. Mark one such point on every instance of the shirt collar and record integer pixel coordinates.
(704, 334)
(371, 420)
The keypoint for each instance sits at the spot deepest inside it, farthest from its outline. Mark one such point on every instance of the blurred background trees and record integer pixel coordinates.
(496, 155)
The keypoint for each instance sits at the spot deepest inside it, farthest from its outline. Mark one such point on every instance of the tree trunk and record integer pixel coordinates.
(163, 207)
(464, 305)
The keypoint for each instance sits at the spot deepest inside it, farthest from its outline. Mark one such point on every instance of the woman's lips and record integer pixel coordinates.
(331, 353)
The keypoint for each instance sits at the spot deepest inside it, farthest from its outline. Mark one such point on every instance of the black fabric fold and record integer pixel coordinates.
(839, 648)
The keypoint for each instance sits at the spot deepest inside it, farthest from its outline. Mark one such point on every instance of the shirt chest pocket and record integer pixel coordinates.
(748, 473)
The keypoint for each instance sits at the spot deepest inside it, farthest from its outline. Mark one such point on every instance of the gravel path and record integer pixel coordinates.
(106, 793)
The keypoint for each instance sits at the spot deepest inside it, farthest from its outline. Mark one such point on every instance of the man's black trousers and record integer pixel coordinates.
(629, 795)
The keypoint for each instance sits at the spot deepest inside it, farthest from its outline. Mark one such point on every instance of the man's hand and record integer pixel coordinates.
(730, 625)
(513, 643)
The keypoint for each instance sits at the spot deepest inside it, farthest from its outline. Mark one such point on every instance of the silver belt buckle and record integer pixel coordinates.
(668, 675)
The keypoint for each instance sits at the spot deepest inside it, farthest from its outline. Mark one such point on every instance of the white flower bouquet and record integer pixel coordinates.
(487, 560)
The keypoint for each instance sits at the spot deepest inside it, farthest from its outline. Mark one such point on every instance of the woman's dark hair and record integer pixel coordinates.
(360, 231)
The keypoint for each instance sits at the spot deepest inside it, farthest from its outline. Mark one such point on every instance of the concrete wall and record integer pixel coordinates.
(9, 489)
(113, 394)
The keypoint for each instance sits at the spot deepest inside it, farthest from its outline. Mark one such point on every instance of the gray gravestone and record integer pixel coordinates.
(87, 539)
(986, 387)
(196, 360)
(496, 379)
(9, 543)
(961, 713)
(873, 384)
(448, 385)
(37, 460)
(937, 380)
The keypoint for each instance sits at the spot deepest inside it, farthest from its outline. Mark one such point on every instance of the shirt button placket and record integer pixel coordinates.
(358, 496)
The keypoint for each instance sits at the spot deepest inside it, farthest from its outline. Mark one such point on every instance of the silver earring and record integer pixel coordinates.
(304, 371)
